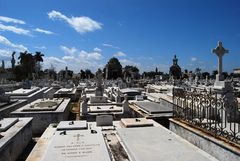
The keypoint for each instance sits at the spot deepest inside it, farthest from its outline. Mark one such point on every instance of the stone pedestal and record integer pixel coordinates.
(225, 89)
(219, 85)
(219, 77)
(99, 91)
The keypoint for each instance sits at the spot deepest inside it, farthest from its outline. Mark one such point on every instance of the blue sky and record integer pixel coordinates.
(146, 33)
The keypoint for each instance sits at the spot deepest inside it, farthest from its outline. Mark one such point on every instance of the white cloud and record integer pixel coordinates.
(73, 52)
(119, 54)
(11, 20)
(75, 59)
(43, 31)
(67, 57)
(80, 24)
(6, 42)
(5, 53)
(110, 46)
(125, 62)
(193, 59)
(69, 51)
(54, 61)
(90, 56)
(97, 50)
(14, 29)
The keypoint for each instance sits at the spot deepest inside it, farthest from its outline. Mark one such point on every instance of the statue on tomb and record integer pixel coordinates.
(84, 108)
(99, 77)
(13, 60)
(126, 108)
(175, 70)
(99, 81)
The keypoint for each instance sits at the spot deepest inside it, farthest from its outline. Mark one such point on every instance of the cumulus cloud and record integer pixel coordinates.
(75, 59)
(68, 51)
(97, 49)
(81, 24)
(119, 54)
(193, 59)
(125, 62)
(6, 42)
(90, 55)
(43, 31)
(5, 53)
(73, 52)
(14, 29)
(11, 20)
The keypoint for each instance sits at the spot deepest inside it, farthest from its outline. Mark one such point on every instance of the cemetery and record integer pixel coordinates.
(118, 114)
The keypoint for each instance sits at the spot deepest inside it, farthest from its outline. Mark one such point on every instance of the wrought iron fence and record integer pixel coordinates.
(219, 114)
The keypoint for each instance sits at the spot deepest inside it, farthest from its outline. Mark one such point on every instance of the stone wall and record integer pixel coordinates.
(215, 147)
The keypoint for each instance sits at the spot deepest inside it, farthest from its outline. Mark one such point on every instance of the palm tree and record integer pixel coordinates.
(22, 57)
(27, 63)
(38, 57)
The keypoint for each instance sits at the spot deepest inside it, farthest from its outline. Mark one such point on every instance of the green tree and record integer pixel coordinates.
(89, 73)
(131, 71)
(205, 74)
(38, 57)
(27, 63)
(82, 74)
(19, 73)
(114, 68)
(225, 74)
(214, 73)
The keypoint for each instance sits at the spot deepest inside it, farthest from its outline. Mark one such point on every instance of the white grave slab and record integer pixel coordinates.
(6, 123)
(65, 90)
(43, 105)
(77, 145)
(153, 107)
(23, 92)
(72, 125)
(158, 143)
(105, 108)
(136, 122)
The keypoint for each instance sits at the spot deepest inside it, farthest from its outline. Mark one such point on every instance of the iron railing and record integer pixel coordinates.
(212, 112)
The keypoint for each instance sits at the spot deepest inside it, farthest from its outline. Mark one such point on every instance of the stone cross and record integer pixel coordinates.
(219, 51)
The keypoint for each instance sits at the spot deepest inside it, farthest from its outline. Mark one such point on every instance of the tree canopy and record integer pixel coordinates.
(29, 64)
(113, 68)
(86, 74)
(131, 71)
